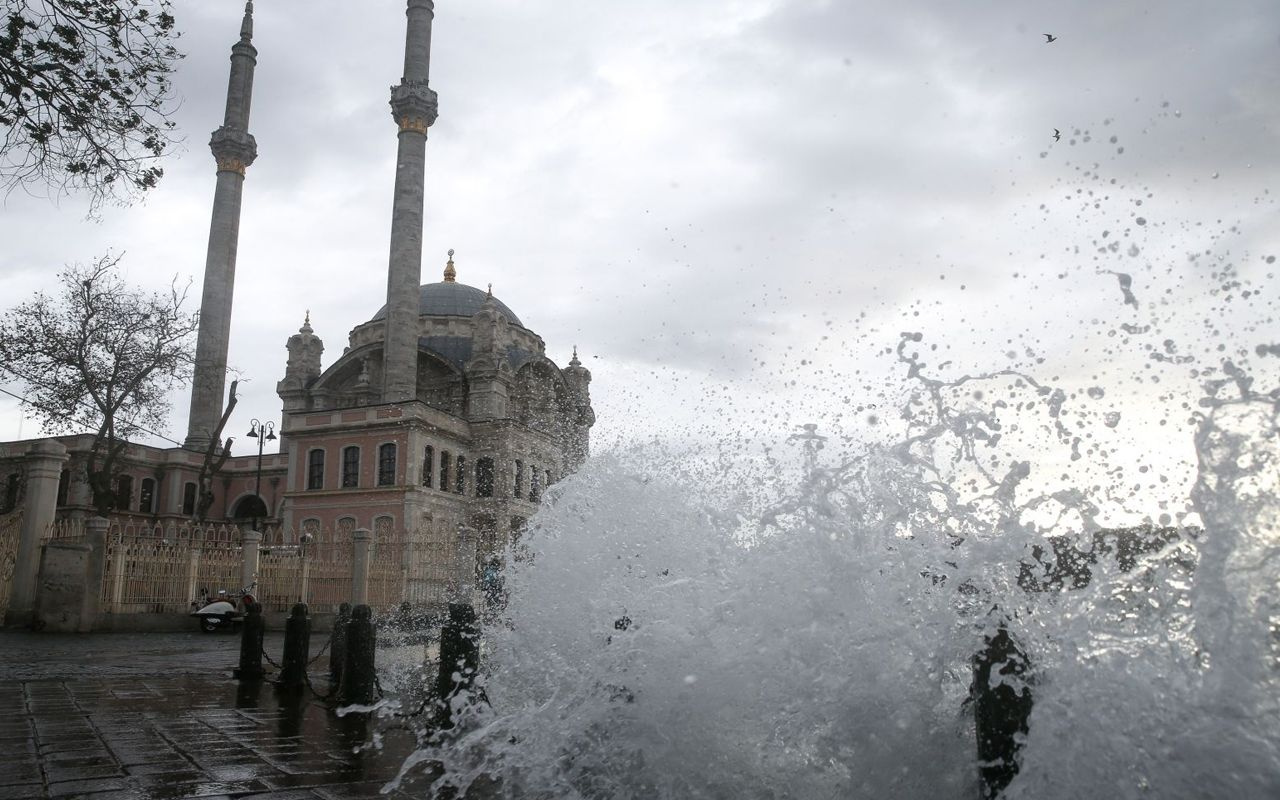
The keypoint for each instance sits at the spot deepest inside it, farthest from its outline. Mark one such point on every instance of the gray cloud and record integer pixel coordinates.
(697, 187)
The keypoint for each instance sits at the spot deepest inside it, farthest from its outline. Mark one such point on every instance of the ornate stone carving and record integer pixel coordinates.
(234, 150)
(414, 106)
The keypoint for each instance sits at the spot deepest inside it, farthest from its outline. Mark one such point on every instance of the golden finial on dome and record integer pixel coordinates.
(450, 274)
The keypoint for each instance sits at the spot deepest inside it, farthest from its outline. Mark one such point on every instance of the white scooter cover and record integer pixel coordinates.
(216, 608)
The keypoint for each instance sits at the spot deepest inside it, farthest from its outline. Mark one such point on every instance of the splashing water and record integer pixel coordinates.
(720, 623)
(656, 645)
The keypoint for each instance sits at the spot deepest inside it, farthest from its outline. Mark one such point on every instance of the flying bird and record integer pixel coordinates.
(1049, 37)
(1057, 134)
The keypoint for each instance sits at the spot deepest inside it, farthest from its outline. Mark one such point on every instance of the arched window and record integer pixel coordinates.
(346, 530)
(11, 492)
(310, 528)
(484, 477)
(460, 485)
(548, 481)
(188, 499)
(315, 469)
(147, 496)
(124, 493)
(387, 464)
(535, 485)
(428, 465)
(445, 465)
(517, 487)
(64, 487)
(350, 467)
(383, 530)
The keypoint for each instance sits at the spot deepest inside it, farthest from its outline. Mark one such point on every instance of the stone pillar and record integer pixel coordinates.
(360, 566)
(249, 558)
(95, 532)
(43, 466)
(414, 108)
(234, 149)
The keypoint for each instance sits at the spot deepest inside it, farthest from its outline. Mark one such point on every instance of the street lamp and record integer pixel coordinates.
(263, 433)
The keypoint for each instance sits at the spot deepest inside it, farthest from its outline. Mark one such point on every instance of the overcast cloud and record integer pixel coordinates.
(704, 194)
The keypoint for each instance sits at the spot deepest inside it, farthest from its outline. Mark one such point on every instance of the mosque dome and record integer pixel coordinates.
(452, 299)
(448, 298)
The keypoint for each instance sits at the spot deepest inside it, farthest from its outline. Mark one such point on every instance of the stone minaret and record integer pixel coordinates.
(413, 105)
(234, 149)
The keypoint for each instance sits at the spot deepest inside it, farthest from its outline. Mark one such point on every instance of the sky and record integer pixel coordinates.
(734, 208)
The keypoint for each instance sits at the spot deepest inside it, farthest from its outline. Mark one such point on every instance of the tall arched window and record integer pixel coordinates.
(387, 464)
(124, 493)
(535, 485)
(64, 487)
(11, 492)
(446, 464)
(547, 476)
(315, 469)
(517, 487)
(188, 499)
(147, 496)
(460, 485)
(350, 467)
(428, 465)
(484, 477)
(345, 531)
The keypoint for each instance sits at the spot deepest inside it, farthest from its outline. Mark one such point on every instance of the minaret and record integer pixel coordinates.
(234, 149)
(413, 106)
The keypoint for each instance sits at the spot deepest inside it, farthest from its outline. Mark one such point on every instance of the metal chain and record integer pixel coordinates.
(333, 690)
(270, 660)
(322, 649)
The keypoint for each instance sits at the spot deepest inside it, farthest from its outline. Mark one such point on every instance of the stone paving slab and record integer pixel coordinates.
(158, 717)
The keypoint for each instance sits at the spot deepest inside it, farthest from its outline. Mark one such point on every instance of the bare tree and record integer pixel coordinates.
(85, 95)
(101, 356)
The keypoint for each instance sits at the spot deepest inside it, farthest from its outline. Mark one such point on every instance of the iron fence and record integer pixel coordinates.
(10, 532)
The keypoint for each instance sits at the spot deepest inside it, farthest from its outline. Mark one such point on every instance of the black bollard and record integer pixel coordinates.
(338, 643)
(297, 648)
(250, 668)
(359, 676)
(1001, 712)
(459, 661)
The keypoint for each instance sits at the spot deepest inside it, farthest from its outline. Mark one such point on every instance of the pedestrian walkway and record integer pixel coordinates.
(157, 717)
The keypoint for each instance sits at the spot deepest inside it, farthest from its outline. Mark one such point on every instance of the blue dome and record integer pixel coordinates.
(452, 299)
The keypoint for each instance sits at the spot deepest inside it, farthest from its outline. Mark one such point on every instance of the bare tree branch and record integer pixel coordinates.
(99, 355)
(85, 96)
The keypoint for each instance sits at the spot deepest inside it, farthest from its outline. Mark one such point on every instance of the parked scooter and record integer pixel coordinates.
(221, 612)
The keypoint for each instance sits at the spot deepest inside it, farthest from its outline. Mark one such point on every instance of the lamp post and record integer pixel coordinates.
(263, 433)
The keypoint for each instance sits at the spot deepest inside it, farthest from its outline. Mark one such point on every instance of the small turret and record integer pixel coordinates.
(578, 378)
(488, 373)
(303, 367)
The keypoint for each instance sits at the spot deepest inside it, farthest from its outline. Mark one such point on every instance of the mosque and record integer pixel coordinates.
(443, 412)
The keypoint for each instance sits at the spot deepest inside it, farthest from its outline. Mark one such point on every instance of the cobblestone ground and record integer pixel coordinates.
(158, 717)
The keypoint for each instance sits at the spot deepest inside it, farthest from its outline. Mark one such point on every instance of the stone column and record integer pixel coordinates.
(43, 468)
(95, 532)
(360, 566)
(249, 563)
(234, 149)
(414, 108)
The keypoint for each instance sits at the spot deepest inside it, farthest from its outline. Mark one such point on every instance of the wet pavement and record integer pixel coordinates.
(158, 717)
